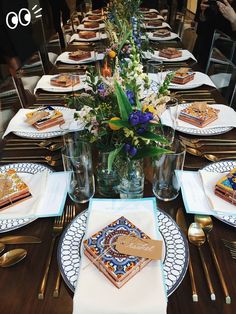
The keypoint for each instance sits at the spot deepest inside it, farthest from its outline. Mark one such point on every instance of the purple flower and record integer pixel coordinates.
(130, 96)
(144, 118)
(150, 115)
(134, 118)
(127, 148)
(133, 151)
(142, 129)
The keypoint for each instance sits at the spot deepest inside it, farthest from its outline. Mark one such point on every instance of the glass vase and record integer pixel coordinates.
(131, 179)
(107, 182)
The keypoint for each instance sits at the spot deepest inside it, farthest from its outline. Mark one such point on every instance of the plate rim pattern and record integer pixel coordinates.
(167, 249)
(26, 221)
(224, 218)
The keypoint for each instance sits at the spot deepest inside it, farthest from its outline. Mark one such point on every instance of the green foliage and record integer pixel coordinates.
(123, 102)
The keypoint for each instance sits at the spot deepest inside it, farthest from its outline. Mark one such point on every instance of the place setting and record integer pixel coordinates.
(41, 123)
(79, 57)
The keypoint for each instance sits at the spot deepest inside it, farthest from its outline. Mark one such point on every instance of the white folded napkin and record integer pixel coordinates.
(99, 36)
(198, 193)
(172, 36)
(199, 80)
(226, 118)
(155, 56)
(44, 83)
(18, 122)
(82, 28)
(164, 25)
(64, 58)
(48, 191)
(143, 293)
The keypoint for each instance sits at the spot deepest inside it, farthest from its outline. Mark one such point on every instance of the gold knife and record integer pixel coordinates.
(19, 240)
(180, 219)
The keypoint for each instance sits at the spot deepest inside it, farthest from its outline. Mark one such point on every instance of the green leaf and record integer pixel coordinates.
(112, 156)
(154, 137)
(120, 123)
(123, 102)
(150, 152)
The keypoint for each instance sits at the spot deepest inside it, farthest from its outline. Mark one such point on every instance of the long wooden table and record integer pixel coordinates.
(19, 285)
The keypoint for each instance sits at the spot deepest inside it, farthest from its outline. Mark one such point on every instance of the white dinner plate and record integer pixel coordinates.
(164, 25)
(12, 224)
(44, 84)
(64, 58)
(155, 56)
(33, 133)
(82, 28)
(223, 166)
(175, 261)
(188, 129)
(171, 37)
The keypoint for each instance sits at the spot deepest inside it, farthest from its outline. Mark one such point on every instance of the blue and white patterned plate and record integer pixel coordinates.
(12, 224)
(175, 261)
(223, 166)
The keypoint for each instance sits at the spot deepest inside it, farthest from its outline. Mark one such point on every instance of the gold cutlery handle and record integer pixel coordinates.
(220, 274)
(23, 147)
(219, 152)
(45, 276)
(207, 275)
(57, 285)
(220, 144)
(192, 279)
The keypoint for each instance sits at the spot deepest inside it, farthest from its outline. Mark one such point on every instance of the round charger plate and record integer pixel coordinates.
(175, 261)
(42, 135)
(200, 131)
(12, 224)
(223, 166)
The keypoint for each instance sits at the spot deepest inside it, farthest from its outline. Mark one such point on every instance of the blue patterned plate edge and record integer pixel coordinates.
(176, 273)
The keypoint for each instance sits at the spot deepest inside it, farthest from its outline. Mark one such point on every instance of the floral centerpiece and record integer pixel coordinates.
(118, 120)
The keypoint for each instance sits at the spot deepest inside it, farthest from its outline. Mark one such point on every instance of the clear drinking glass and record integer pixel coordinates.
(77, 161)
(165, 183)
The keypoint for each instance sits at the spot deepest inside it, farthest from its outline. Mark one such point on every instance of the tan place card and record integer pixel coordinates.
(134, 246)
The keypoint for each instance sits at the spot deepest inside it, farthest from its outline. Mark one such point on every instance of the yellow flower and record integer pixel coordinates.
(149, 108)
(113, 126)
(112, 54)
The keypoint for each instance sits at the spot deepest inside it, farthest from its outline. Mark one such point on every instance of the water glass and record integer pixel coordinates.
(77, 161)
(166, 185)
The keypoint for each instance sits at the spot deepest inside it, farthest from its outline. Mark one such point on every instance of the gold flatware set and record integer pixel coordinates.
(198, 232)
(207, 148)
(58, 225)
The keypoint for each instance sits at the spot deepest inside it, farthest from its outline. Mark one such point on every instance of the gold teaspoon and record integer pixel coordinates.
(207, 225)
(12, 257)
(197, 237)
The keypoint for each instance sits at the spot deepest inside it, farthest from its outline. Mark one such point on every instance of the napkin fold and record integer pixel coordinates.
(155, 56)
(143, 293)
(18, 122)
(198, 193)
(226, 118)
(99, 36)
(44, 83)
(48, 191)
(171, 37)
(64, 58)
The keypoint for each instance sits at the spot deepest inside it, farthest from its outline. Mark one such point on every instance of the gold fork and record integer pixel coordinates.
(69, 216)
(197, 140)
(57, 229)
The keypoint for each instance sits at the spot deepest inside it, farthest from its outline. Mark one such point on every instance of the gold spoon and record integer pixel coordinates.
(215, 158)
(199, 153)
(197, 237)
(207, 225)
(52, 147)
(12, 257)
(2, 247)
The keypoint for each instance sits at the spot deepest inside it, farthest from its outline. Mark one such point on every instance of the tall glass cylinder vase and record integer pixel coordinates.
(107, 182)
(131, 179)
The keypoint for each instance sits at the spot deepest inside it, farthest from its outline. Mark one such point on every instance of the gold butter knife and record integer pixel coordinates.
(19, 239)
(180, 219)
